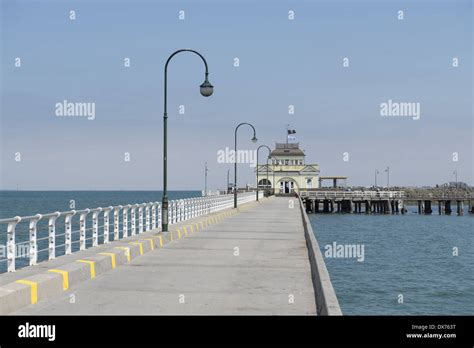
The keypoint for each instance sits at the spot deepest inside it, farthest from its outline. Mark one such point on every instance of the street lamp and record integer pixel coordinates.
(269, 151)
(388, 177)
(456, 176)
(254, 140)
(376, 172)
(206, 90)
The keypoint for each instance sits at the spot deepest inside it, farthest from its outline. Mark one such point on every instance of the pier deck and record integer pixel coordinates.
(201, 274)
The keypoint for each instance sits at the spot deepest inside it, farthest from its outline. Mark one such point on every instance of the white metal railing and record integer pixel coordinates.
(136, 219)
(352, 194)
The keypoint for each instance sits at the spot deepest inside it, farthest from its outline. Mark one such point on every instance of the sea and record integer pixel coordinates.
(379, 264)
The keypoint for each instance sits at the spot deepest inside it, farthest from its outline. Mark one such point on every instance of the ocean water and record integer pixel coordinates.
(27, 203)
(409, 255)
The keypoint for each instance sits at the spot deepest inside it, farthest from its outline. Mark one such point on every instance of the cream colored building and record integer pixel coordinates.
(287, 171)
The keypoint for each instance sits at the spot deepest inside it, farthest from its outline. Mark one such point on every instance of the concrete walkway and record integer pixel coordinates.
(254, 262)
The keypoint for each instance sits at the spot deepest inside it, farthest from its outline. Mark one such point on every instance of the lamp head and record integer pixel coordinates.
(254, 139)
(206, 88)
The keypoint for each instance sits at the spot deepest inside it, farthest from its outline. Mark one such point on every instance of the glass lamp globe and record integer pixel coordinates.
(206, 89)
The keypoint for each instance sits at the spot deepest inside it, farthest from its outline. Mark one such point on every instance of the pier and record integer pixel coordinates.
(386, 202)
(261, 258)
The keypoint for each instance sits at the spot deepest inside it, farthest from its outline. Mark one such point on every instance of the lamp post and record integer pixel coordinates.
(456, 176)
(206, 90)
(376, 172)
(269, 151)
(254, 139)
(388, 177)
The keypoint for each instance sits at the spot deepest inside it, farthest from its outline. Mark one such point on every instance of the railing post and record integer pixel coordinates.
(140, 218)
(181, 212)
(33, 251)
(95, 226)
(82, 229)
(147, 216)
(68, 232)
(125, 221)
(153, 215)
(159, 215)
(133, 218)
(176, 211)
(52, 235)
(117, 222)
(173, 212)
(11, 248)
(107, 223)
(170, 212)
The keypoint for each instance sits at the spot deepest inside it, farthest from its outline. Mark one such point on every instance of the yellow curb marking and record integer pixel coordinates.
(65, 275)
(140, 244)
(179, 233)
(127, 251)
(112, 258)
(91, 266)
(152, 245)
(202, 225)
(34, 289)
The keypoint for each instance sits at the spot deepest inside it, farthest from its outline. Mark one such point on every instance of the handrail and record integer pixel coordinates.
(119, 222)
(352, 194)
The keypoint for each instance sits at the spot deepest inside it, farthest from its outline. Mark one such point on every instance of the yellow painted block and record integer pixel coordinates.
(140, 244)
(33, 291)
(112, 258)
(65, 276)
(152, 245)
(127, 252)
(91, 266)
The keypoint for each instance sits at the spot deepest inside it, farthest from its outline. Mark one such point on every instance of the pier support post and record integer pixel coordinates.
(308, 205)
(447, 207)
(326, 206)
(460, 208)
(427, 207)
(439, 207)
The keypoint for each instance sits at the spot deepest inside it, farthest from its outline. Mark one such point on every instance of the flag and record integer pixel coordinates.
(291, 136)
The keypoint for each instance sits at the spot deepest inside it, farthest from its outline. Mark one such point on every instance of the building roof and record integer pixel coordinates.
(290, 149)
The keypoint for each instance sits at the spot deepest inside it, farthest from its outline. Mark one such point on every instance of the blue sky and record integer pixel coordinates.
(282, 62)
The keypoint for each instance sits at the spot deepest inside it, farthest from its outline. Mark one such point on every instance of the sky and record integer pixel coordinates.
(282, 62)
